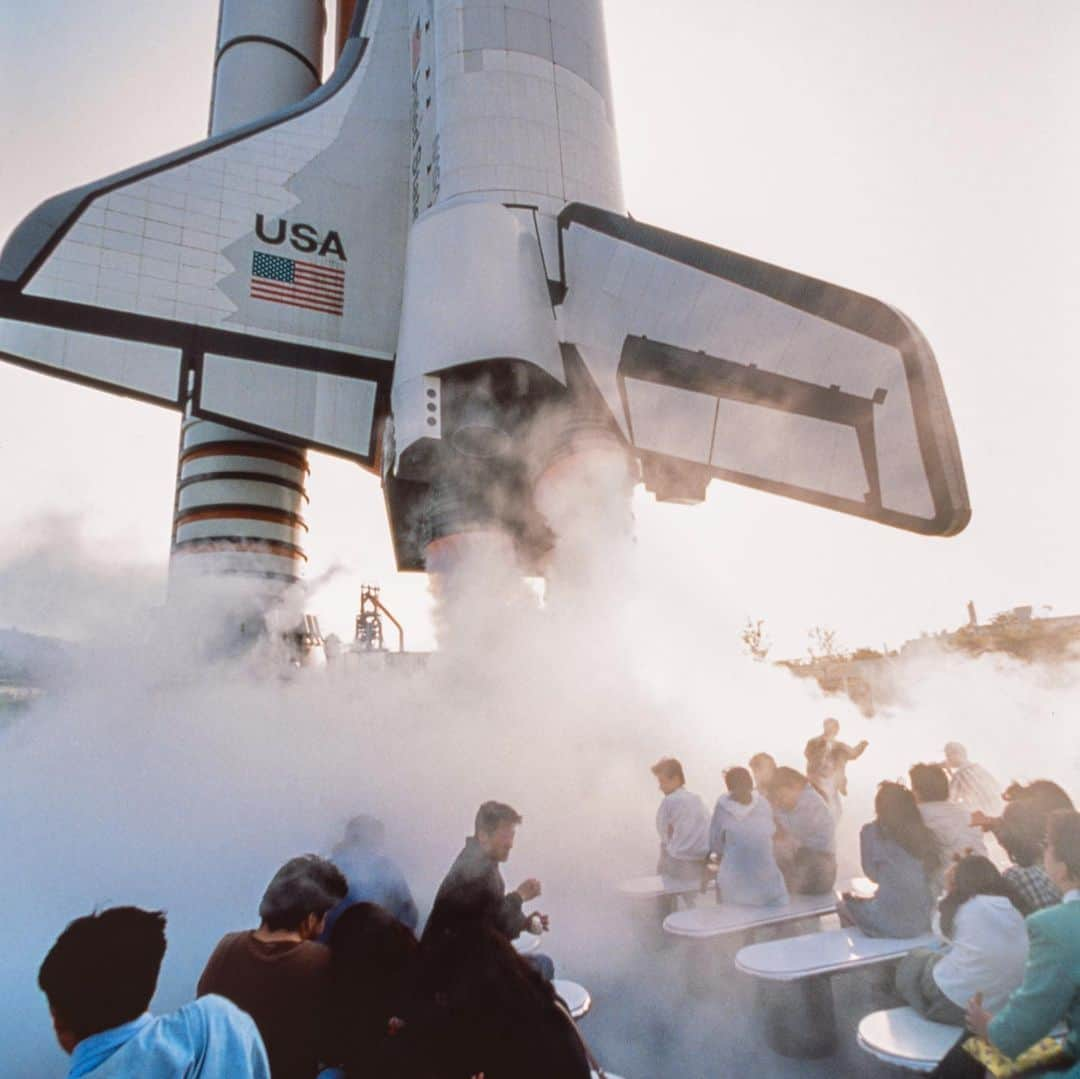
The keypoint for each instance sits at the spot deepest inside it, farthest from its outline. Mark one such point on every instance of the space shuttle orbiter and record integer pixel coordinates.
(426, 266)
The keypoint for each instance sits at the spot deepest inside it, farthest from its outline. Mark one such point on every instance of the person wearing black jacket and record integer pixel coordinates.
(473, 892)
(483, 1010)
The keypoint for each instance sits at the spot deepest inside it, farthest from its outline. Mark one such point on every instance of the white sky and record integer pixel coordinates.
(924, 152)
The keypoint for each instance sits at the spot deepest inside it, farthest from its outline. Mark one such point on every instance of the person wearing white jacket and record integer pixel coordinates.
(986, 946)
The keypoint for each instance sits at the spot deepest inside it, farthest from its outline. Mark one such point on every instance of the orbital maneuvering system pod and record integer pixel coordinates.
(425, 265)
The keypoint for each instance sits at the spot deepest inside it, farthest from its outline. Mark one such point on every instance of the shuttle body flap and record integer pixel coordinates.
(716, 365)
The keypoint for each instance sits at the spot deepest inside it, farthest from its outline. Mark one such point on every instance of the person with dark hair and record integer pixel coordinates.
(99, 978)
(986, 950)
(368, 1022)
(741, 836)
(488, 1012)
(373, 876)
(682, 823)
(900, 853)
(805, 844)
(1022, 833)
(1050, 991)
(826, 763)
(280, 973)
(473, 891)
(763, 769)
(1042, 796)
(950, 822)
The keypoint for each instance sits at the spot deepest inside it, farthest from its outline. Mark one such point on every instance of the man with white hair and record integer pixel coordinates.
(971, 784)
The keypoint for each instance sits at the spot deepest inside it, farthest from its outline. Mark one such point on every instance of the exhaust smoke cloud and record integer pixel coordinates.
(155, 777)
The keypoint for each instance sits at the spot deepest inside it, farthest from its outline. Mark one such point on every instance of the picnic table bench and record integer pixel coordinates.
(797, 972)
(575, 997)
(903, 1038)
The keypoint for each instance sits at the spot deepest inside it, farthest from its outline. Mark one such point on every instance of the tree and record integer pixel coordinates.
(823, 644)
(755, 640)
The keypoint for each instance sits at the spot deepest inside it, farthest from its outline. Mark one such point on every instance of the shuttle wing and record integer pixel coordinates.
(269, 258)
(717, 365)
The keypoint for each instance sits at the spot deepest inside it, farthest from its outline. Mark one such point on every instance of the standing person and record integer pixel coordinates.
(901, 854)
(682, 823)
(971, 784)
(279, 973)
(826, 763)
(806, 841)
(1050, 991)
(950, 822)
(473, 891)
(741, 835)
(99, 977)
(987, 946)
(373, 876)
(1022, 832)
(763, 769)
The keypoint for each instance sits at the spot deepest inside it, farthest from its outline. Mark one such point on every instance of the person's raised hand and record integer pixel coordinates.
(528, 889)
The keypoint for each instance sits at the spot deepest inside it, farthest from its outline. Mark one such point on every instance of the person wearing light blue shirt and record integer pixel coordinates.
(98, 979)
(806, 843)
(741, 835)
(373, 876)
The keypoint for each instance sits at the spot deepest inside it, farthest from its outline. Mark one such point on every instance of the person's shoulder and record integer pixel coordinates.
(1062, 919)
(192, 1023)
(212, 1010)
(313, 952)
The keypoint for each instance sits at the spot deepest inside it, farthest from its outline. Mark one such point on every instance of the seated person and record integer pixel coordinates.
(1044, 796)
(373, 876)
(369, 1024)
(971, 784)
(987, 946)
(1050, 991)
(763, 769)
(1022, 833)
(487, 1012)
(741, 836)
(826, 764)
(950, 822)
(682, 823)
(279, 973)
(806, 841)
(473, 891)
(99, 977)
(900, 853)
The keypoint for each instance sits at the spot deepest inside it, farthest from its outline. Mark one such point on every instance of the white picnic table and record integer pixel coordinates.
(724, 918)
(795, 996)
(831, 952)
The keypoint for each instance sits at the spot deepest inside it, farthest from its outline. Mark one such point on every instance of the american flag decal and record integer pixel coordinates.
(297, 284)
